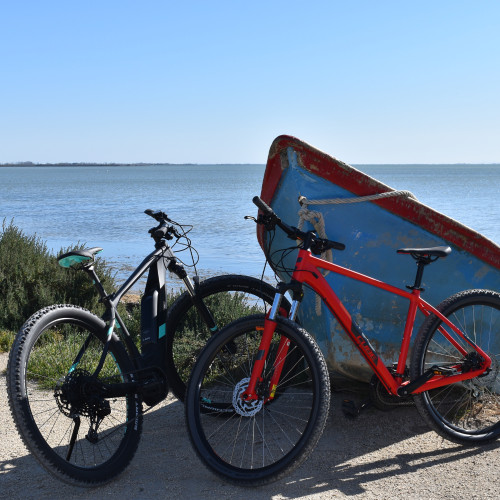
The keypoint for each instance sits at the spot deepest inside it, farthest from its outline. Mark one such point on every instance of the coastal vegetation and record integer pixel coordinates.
(31, 279)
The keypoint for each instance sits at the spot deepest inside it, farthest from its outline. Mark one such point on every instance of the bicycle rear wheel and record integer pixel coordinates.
(77, 435)
(259, 442)
(466, 412)
(227, 297)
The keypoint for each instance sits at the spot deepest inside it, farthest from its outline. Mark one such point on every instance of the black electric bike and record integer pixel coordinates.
(77, 382)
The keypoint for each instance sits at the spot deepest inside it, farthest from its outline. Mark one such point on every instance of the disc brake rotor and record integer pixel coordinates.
(242, 407)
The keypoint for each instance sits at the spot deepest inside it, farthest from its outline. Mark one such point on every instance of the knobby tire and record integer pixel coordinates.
(51, 400)
(466, 412)
(257, 443)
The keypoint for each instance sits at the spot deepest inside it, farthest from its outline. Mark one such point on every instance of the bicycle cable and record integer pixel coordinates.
(280, 265)
(185, 243)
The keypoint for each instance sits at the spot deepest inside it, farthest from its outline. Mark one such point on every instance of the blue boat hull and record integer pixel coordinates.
(372, 232)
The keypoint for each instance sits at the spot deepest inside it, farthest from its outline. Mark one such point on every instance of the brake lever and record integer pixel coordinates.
(266, 220)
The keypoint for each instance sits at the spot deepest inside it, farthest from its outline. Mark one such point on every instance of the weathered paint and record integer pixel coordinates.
(372, 232)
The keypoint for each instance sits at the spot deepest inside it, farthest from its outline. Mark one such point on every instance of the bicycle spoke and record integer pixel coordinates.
(467, 411)
(257, 433)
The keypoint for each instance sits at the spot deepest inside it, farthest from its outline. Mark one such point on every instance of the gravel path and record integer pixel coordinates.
(354, 459)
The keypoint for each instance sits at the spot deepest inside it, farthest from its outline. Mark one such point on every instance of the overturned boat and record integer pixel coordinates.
(312, 190)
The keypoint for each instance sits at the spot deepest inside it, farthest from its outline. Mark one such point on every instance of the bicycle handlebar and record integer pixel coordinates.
(263, 206)
(160, 232)
(157, 215)
(163, 230)
(317, 245)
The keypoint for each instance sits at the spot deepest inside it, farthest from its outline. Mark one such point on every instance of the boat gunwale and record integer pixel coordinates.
(360, 184)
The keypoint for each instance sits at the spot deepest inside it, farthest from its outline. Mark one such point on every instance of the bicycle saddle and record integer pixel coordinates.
(75, 257)
(426, 252)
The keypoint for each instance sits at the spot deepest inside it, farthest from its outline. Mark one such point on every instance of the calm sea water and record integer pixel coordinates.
(103, 206)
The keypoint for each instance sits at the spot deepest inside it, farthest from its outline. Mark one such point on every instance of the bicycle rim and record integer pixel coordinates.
(258, 442)
(468, 409)
(77, 435)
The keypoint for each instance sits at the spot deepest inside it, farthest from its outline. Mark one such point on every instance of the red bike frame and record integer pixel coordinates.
(307, 271)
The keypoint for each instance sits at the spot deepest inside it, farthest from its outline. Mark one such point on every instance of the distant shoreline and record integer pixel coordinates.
(141, 164)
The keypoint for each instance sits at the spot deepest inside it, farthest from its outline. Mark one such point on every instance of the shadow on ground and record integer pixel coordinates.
(379, 454)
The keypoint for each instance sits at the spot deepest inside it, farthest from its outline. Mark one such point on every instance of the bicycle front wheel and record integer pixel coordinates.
(77, 435)
(258, 442)
(228, 298)
(466, 412)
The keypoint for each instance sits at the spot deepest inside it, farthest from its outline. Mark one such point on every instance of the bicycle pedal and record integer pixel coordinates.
(440, 370)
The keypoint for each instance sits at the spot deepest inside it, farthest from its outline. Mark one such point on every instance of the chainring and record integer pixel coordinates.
(384, 401)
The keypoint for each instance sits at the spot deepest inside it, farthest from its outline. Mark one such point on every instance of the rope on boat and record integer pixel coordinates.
(358, 199)
(316, 219)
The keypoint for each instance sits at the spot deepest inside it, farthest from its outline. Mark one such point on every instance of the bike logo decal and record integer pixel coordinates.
(364, 344)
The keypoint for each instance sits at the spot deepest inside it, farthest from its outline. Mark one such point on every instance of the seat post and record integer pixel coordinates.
(424, 256)
(421, 263)
(90, 270)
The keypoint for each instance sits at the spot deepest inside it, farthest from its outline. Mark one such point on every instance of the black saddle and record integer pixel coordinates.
(426, 253)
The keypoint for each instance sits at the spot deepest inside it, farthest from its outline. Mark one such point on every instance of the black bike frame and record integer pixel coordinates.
(153, 308)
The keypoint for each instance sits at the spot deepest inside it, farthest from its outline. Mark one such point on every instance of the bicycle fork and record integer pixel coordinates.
(253, 391)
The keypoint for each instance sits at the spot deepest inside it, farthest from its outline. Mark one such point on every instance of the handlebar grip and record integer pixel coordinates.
(263, 206)
(157, 215)
(336, 245)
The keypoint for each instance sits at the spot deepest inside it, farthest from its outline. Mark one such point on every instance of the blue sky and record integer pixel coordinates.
(216, 81)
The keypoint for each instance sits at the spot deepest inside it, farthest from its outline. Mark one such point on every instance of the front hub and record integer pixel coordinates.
(242, 407)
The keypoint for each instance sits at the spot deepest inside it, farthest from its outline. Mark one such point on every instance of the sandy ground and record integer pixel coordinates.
(377, 456)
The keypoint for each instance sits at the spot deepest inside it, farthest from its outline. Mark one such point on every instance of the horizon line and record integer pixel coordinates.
(138, 164)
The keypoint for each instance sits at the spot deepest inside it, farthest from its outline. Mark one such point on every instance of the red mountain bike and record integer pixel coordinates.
(258, 397)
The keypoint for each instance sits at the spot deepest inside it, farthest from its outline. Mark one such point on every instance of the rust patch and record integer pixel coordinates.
(481, 272)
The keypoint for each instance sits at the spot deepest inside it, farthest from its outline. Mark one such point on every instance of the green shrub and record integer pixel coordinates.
(6, 340)
(30, 279)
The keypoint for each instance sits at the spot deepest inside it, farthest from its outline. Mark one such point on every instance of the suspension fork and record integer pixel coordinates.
(267, 335)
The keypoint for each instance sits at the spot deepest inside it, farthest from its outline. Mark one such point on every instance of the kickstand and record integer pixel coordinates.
(351, 410)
